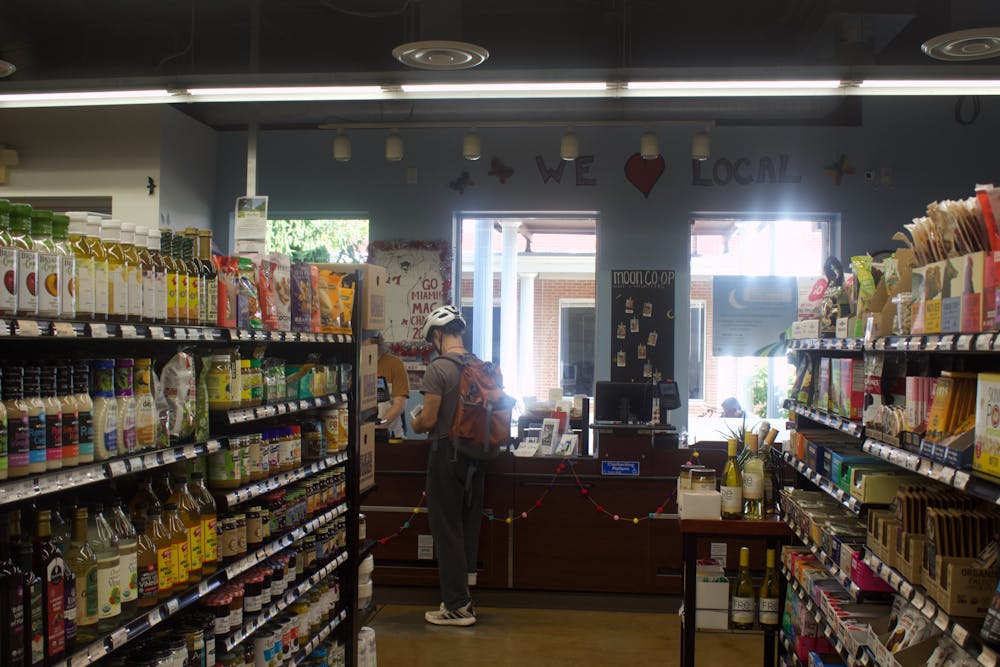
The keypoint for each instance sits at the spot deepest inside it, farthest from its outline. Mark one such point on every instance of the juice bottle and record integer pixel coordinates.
(83, 275)
(147, 275)
(50, 566)
(179, 538)
(128, 567)
(160, 273)
(85, 411)
(8, 264)
(82, 561)
(53, 418)
(11, 602)
(187, 510)
(195, 288)
(133, 272)
(47, 278)
(104, 541)
(148, 583)
(173, 277)
(18, 435)
(163, 489)
(111, 231)
(177, 253)
(210, 277)
(34, 594)
(145, 405)
(99, 260)
(144, 500)
(67, 267)
(37, 455)
(27, 259)
(209, 523)
(125, 401)
(70, 416)
(166, 559)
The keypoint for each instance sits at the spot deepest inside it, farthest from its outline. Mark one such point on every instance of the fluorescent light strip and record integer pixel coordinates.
(927, 87)
(285, 93)
(551, 89)
(732, 88)
(84, 98)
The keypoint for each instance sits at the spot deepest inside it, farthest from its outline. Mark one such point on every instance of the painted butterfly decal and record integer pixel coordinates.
(463, 181)
(500, 170)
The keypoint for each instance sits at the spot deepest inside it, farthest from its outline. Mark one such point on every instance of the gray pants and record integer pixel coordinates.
(455, 503)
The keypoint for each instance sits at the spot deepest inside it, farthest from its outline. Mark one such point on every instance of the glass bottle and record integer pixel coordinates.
(209, 523)
(133, 272)
(61, 536)
(37, 436)
(4, 448)
(106, 443)
(144, 500)
(128, 568)
(18, 431)
(8, 264)
(147, 275)
(770, 473)
(27, 259)
(104, 541)
(50, 566)
(111, 234)
(11, 601)
(194, 281)
(148, 583)
(145, 405)
(85, 411)
(47, 278)
(183, 273)
(166, 559)
(83, 275)
(173, 277)
(99, 258)
(125, 401)
(769, 612)
(34, 595)
(67, 267)
(187, 509)
(160, 274)
(209, 277)
(70, 416)
(53, 418)
(179, 538)
(753, 482)
(732, 485)
(742, 612)
(82, 561)
(163, 488)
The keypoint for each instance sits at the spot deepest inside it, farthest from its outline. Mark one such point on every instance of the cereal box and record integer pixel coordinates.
(986, 457)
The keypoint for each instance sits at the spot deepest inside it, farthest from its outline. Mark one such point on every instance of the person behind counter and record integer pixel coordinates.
(393, 404)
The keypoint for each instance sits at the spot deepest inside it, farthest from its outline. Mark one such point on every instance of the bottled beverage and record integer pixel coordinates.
(148, 589)
(133, 272)
(8, 264)
(34, 595)
(104, 542)
(67, 267)
(187, 509)
(163, 488)
(99, 259)
(209, 277)
(85, 411)
(125, 406)
(753, 482)
(743, 598)
(37, 436)
(70, 416)
(770, 497)
(177, 253)
(732, 485)
(27, 259)
(209, 523)
(147, 276)
(4, 473)
(144, 500)
(111, 232)
(770, 615)
(173, 277)
(160, 274)
(18, 433)
(179, 538)
(128, 564)
(50, 566)
(47, 278)
(194, 281)
(166, 558)
(81, 560)
(61, 534)
(106, 443)
(53, 418)
(83, 275)
(11, 602)
(145, 405)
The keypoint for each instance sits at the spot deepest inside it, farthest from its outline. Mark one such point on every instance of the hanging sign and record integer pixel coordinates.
(750, 314)
(642, 325)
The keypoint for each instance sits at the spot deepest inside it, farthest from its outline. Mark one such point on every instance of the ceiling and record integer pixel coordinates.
(179, 42)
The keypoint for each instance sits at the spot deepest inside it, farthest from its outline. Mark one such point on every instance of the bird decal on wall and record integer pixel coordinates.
(150, 185)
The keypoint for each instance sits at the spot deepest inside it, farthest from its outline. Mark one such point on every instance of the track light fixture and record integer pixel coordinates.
(472, 146)
(649, 145)
(341, 146)
(569, 147)
(394, 146)
(701, 145)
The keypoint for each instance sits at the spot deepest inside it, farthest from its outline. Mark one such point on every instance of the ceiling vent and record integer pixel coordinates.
(6, 68)
(440, 55)
(964, 45)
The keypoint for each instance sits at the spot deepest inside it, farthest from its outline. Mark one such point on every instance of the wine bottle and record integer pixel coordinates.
(50, 566)
(732, 485)
(742, 612)
(753, 482)
(34, 632)
(769, 614)
(11, 603)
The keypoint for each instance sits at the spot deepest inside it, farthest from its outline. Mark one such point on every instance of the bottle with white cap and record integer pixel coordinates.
(99, 255)
(67, 266)
(159, 275)
(83, 274)
(147, 276)
(133, 272)
(111, 231)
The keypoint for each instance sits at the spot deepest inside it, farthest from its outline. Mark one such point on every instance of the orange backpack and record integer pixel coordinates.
(483, 413)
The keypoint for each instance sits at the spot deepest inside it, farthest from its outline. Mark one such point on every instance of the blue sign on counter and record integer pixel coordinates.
(620, 468)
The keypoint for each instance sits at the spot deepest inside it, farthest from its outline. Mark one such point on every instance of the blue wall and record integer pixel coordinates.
(931, 156)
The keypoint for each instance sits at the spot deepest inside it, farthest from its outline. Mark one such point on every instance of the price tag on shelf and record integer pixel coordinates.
(194, 334)
(245, 334)
(156, 333)
(906, 590)
(28, 328)
(941, 620)
(135, 463)
(189, 452)
(926, 467)
(984, 342)
(960, 635)
(118, 638)
(932, 342)
(918, 601)
(281, 408)
(98, 330)
(913, 462)
(946, 343)
(127, 331)
(914, 343)
(961, 479)
(173, 606)
(928, 611)
(880, 344)
(63, 330)
(117, 468)
(203, 589)
(964, 343)
(988, 657)
(152, 460)
(180, 333)
(153, 617)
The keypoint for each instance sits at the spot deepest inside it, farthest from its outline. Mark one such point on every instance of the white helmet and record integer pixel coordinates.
(441, 316)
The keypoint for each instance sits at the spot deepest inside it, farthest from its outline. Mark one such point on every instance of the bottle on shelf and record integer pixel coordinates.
(172, 272)
(166, 559)
(128, 563)
(125, 404)
(147, 274)
(753, 482)
(163, 487)
(50, 566)
(209, 523)
(53, 418)
(82, 561)
(210, 277)
(34, 594)
(85, 411)
(18, 427)
(147, 585)
(99, 258)
(144, 499)
(11, 602)
(104, 542)
(111, 231)
(70, 416)
(179, 538)
(47, 279)
(770, 472)
(37, 454)
(187, 510)
(194, 280)
(742, 604)
(183, 274)
(769, 611)
(27, 259)
(145, 405)
(8, 264)
(61, 536)
(105, 421)
(732, 485)
(133, 272)
(83, 274)
(4, 472)
(67, 266)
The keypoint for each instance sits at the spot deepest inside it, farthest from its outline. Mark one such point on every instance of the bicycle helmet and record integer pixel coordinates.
(441, 316)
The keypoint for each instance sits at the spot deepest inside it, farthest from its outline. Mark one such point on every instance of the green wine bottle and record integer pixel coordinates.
(742, 605)
(732, 486)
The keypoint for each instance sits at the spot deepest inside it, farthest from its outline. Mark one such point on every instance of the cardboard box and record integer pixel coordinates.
(366, 456)
(971, 279)
(986, 457)
(368, 377)
(875, 485)
(838, 472)
(283, 289)
(863, 576)
(701, 505)
(805, 329)
(711, 599)
(371, 301)
(910, 556)
(962, 587)
(852, 385)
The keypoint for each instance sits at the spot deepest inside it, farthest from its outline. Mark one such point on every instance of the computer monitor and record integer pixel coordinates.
(623, 402)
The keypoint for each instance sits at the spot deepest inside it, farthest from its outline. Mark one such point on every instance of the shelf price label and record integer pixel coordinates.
(63, 330)
(127, 331)
(964, 343)
(28, 328)
(984, 342)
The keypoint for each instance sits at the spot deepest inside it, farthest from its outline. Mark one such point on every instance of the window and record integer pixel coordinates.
(336, 240)
(696, 351)
(576, 346)
(469, 315)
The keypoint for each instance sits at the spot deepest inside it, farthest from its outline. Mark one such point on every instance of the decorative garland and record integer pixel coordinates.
(564, 465)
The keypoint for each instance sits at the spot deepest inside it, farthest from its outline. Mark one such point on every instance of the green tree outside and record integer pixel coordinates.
(340, 241)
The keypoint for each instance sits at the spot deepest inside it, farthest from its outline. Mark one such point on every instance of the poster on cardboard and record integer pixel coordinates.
(642, 324)
(750, 314)
(418, 280)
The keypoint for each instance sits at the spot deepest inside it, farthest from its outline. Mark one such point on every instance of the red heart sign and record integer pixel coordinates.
(644, 174)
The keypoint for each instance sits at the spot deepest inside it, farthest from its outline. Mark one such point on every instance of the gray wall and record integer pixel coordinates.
(931, 157)
(187, 170)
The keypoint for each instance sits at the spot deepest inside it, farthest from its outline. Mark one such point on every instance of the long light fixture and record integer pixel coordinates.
(550, 89)
(925, 87)
(286, 93)
(84, 98)
(780, 88)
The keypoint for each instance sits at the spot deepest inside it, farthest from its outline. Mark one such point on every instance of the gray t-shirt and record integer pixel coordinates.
(441, 378)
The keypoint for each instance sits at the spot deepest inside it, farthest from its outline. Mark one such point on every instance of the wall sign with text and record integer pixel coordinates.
(642, 325)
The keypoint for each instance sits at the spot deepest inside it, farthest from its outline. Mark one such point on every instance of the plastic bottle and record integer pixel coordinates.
(166, 558)
(85, 411)
(187, 510)
(209, 523)
(27, 259)
(125, 401)
(70, 416)
(18, 433)
(49, 264)
(53, 419)
(83, 274)
(111, 231)
(104, 541)
(147, 273)
(133, 272)
(105, 410)
(128, 563)
(67, 267)
(179, 538)
(209, 277)
(99, 259)
(145, 405)
(8, 264)
(37, 455)
(80, 558)
(160, 274)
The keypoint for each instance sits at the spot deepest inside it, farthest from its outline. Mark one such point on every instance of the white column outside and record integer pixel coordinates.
(526, 333)
(508, 306)
(482, 292)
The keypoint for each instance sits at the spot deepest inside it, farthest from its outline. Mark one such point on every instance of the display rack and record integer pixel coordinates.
(836, 422)
(826, 485)
(246, 415)
(789, 649)
(984, 343)
(821, 619)
(256, 489)
(843, 578)
(319, 639)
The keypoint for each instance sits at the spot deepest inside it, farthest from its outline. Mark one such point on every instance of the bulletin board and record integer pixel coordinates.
(642, 325)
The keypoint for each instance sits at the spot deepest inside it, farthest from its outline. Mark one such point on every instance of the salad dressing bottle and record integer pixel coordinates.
(37, 455)
(106, 443)
(67, 267)
(8, 264)
(27, 259)
(117, 284)
(84, 266)
(18, 435)
(47, 278)
(85, 411)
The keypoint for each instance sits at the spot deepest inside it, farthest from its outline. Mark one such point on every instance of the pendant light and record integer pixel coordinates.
(649, 145)
(394, 146)
(569, 147)
(701, 146)
(472, 145)
(341, 147)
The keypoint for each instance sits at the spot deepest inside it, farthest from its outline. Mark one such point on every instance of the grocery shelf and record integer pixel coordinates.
(820, 618)
(985, 342)
(102, 647)
(33, 486)
(957, 630)
(256, 489)
(789, 649)
(366, 548)
(275, 608)
(836, 422)
(847, 500)
(244, 415)
(826, 344)
(46, 328)
(366, 613)
(834, 569)
(318, 639)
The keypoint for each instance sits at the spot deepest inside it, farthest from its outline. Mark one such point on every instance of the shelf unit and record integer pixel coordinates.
(246, 415)
(827, 486)
(256, 489)
(985, 342)
(821, 619)
(836, 422)
(319, 639)
(789, 650)
(843, 578)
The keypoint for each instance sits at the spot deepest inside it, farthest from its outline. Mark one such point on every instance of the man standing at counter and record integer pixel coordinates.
(390, 411)
(454, 481)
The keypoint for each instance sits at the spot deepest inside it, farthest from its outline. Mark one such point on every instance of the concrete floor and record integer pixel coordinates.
(525, 637)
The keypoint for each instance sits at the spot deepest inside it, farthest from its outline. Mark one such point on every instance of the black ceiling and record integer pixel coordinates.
(351, 40)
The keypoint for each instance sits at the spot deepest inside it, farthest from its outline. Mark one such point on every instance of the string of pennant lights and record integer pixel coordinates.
(564, 466)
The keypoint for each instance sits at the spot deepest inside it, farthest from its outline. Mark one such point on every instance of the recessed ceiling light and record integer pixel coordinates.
(6, 68)
(974, 44)
(440, 55)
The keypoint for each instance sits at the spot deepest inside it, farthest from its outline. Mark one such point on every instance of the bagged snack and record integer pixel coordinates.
(315, 321)
(201, 400)
(301, 297)
(228, 269)
(162, 413)
(179, 390)
(329, 300)
(282, 290)
(347, 288)
(247, 297)
(268, 295)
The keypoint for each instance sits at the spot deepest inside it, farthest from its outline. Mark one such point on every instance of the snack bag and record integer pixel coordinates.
(282, 290)
(268, 295)
(329, 301)
(301, 297)
(247, 297)
(347, 287)
(227, 268)
(314, 280)
(179, 390)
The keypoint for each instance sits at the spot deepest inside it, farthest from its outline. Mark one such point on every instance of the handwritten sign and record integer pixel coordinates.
(642, 325)
(417, 281)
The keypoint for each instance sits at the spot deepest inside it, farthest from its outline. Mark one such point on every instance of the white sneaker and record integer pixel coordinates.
(464, 616)
(471, 581)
